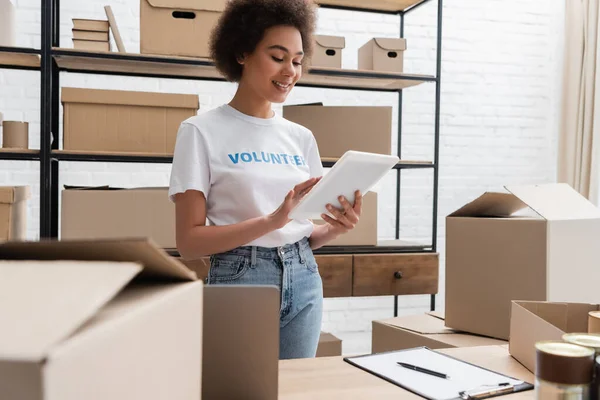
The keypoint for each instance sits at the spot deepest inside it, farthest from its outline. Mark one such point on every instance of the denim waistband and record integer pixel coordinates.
(271, 252)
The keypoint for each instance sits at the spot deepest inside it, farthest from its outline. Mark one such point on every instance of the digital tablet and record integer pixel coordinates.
(354, 171)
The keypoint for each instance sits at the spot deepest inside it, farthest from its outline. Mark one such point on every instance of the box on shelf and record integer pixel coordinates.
(94, 25)
(338, 129)
(535, 321)
(422, 330)
(81, 319)
(382, 54)
(328, 51)
(178, 27)
(496, 253)
(124, 121)
(329, 345)
(365, 232)
(105, 213)
(13, 212)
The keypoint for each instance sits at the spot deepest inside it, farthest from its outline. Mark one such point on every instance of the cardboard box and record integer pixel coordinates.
(328, 51)
(105, 213)
(91, 45)
(93, 25)
(534, 321)
(329, 346)
(98, 320)
(122, 121)
(382, 54)
(339, 129)
(422, 330)
(178, 27)
(13, 212)
(494, 256)
(365, 232)
(90, 35)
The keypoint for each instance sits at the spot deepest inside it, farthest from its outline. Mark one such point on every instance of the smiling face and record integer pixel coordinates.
(275, 66)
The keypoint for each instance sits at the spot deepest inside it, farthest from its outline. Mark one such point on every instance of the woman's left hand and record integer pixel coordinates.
(346, 217)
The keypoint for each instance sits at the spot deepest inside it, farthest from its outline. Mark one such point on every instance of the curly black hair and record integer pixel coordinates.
(243, 24)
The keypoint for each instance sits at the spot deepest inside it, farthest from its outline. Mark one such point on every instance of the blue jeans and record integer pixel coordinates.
(293, 269)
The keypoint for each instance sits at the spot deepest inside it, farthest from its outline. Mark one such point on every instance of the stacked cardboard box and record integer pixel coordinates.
(13, 212)
(91, 34)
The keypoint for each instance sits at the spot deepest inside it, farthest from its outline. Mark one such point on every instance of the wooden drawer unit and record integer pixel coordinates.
(395, 274)
(336, 272)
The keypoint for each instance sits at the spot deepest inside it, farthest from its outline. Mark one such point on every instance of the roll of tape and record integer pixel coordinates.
(594, 322)
(564, 363)
(591, 340)
(15, 135)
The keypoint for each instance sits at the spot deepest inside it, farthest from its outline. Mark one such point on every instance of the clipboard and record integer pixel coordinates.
(466, 381)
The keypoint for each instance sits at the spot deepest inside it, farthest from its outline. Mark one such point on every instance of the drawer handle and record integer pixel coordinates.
(398, 275)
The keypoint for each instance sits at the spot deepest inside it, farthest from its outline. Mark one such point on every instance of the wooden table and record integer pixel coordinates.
(331, 378)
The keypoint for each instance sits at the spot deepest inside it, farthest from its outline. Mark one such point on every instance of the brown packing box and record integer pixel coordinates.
(535, 321)
(494, 256)
(382, 54)
(178, 27)
(339, 129)
(365, 232)
(329, 346)
(13, 212)
(104, 213)
(98, 320)
(123, 121)
(422, 330)
(328, 51)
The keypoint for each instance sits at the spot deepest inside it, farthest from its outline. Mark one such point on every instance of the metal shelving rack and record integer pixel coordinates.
(50, 60)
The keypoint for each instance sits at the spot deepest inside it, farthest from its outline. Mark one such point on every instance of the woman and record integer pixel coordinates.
(244, 168)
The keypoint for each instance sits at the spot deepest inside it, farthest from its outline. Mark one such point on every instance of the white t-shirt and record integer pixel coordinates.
(245, 166)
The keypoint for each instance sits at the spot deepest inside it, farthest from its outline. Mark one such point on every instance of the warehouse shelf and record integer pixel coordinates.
(19, 58)
(14, 154)
(384, 6)
(128, 64)
(102, 156)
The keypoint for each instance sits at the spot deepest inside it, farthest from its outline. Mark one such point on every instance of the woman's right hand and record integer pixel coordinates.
(280, 217)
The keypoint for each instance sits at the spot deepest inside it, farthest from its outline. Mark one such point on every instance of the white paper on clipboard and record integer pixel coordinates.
(463, 376)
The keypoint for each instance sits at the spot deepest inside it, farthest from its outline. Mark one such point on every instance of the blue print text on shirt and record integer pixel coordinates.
(266, 157)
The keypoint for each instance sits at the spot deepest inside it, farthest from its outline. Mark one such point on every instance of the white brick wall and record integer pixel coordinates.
(500, 75)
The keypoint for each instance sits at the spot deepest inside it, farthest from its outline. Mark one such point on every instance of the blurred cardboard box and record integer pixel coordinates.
(13, 212)
(422, 330)
(106, 213)
(329, 345)
(98, 320)
(496, 254)
(382, 54)
(536, 321)
(328, 51)
(178, 27)
(124, 121)
(339, 129)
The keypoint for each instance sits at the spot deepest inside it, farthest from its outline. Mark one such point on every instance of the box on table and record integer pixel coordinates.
(382, 54)
(105, 213)
(98, 320)
(495, 255)
(328, 51)
(535, 321)
(365, 232)
(422, 330)
(329, 345)
(13, 212)
(178, 27)
(124, 121)
(339, 129)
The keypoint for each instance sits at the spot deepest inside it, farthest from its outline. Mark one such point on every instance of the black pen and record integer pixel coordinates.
(423, 370)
